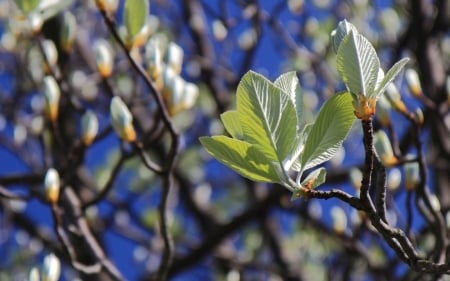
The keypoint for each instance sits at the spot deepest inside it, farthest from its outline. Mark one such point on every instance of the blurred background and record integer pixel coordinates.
(223, 226)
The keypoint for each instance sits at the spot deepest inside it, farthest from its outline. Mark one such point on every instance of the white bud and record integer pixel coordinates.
(384, 148)
(174, 57)
(219, 30)
(52, 95)
(34, 274)
(52, 185)
(52, 268)
(394, 179)
(412, 175)
(68, 32)
(339, 219)
(51, 53)
(122, 120)
(89, 127)
(412, 79)
(103, 57)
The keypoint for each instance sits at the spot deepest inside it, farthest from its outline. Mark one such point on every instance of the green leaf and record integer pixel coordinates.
(343, 28)
(293, 160)
(232, 124)
(27, 5)
(390, 75)
(288, 82)
(242, 157)
(358, 64)
(328, 131)
(135, 15)
(267, 115)
(48, 9)
(315, 178)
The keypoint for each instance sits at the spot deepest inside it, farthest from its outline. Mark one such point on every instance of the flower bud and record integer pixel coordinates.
(295, 6)
(34, 274)
(412, 176)
(52, 95)
(154, 59)
(190, 95)
(52, 268)
(52, 185)
(383, 109)
(122, 120)
(89, 127)
(174, 57)
(384, 148)
(394, 98)
(103, 58)
(35, 20)
(394, 179)
(219, 30)
(419, 116)
(412, 79)
(247, 39)
(339, 219)
(355, 178)
(68, 32)
(51, 55)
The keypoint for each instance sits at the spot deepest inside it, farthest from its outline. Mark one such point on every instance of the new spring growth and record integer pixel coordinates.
(178, 94)
(103, 58)
(154, 59)
(35, 20)
(383, 109)
(384, 148)
(68, 32)
(51, 55)
(52, 95)
(359, 67)
(51, 270)
(122, 120)
(394, 98)
(89, 127)
(174, 57)
(52, 185)
(339, 219)
(135, 19)
(412, 176)
(413, 82)
(109, 6)
(34, 274)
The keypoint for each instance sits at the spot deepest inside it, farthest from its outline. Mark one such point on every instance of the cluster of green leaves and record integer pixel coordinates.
(269, 139)
(359, 67)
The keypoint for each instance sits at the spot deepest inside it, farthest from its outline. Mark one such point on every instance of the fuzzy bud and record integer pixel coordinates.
(122, 120)
(52, 268)
(89, 127)
(52, 95)
(52, 185)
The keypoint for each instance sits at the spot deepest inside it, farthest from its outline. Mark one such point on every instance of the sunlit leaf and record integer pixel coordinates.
(267, 116)
(328, 131)
(358, 64)
(135, 15)
(343, 28)
(288, 82)
(240, 156)
(315, 178)
(390, 75)
(230, 120)
(293, 160)
(27, 5)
